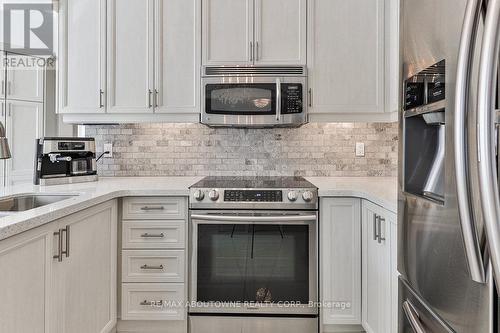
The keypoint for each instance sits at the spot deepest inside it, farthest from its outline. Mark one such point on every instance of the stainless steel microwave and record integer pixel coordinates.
(254, 96)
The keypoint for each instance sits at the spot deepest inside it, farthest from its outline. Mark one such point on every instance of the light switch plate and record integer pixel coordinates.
(108, 147)
(360, 149)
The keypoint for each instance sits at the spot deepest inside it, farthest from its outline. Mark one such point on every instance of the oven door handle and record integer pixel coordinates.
(278, 99)
(281, 218)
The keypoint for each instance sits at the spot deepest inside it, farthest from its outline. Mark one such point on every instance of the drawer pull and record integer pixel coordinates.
(151, 303)
(151, 267)
(146, 235)
(146, 208)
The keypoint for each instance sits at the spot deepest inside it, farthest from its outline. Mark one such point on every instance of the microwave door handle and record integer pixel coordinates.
(278, 99)
(465, 59)
(488, 178)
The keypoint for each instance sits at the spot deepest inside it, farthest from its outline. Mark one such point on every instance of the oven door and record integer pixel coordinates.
(253, 101)
(256, 263)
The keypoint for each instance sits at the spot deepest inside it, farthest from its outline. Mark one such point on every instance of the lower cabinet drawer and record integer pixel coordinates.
(153, 266)
(153, 301)
(153, 234)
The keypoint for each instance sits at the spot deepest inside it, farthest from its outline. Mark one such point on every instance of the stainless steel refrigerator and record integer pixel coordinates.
(449, 205)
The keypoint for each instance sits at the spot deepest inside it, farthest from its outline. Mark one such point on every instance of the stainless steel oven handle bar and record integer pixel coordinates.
(278, 99)
(465, 59)
(488, 179)
(281, 218)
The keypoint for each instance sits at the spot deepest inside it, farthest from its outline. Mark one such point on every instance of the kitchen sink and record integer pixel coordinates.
(22, 203)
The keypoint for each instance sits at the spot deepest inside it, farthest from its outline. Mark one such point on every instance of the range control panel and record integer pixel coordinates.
(253, 195)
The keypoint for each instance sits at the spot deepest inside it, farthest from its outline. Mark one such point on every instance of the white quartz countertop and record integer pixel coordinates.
(381, 191)
(89, 194)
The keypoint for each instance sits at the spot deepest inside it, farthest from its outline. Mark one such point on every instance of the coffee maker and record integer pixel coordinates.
(65, 161)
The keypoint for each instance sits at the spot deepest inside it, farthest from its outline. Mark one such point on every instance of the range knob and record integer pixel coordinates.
(307, 196)
(213, 195)
(293, 196)
(199, 195)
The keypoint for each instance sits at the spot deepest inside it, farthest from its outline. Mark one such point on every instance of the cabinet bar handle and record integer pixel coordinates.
(380, 238)
(9, 88)
(151, 267)
(146, 235)
(151, 303)
(156, 98)
(101, 98)
(10, 109)
(375, 219)
(256, 51)
(150, 93)
(310, 97)
(59, 254)
(3, 87)
(251, 51)
(146, 208)
(66, 231)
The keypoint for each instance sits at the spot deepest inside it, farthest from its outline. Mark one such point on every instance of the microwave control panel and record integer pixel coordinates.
(292, 98)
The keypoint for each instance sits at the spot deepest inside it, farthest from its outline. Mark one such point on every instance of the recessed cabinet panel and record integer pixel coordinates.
(340, 255)
(346, 56)
(26, 264)
(280, 32)
(177, 71)
(23, 126)
(227, 32)
(130, 56)
(82, 61)
(24, 77)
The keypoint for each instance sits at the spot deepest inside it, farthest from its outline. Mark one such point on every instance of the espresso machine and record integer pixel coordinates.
(65, 161)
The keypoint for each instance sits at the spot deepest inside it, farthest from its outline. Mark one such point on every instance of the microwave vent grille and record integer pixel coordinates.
(254, 70)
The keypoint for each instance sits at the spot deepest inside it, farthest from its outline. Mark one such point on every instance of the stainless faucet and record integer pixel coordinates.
(4, 144)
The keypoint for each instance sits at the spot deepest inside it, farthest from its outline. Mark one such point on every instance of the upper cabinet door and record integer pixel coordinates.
(130, 56)
(82, 56)
(24, 126)
(25, 77)
(346, 56)
(177, 57)
(2, 75)
(227, 32)
(280, 32)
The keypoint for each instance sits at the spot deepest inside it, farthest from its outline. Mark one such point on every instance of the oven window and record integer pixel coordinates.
(244, 99)
(253, 263)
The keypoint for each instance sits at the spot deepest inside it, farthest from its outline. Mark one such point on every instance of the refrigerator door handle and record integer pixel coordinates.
(413, 317)
(465, 59)
(488, 178)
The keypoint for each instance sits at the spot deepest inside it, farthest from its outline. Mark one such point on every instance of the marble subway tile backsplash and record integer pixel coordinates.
(197, 150)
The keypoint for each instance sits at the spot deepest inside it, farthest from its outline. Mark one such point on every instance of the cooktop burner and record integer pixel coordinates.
(253, 182)
(253, 193)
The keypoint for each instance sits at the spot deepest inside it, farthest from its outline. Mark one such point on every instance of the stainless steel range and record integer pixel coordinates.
(254, 260)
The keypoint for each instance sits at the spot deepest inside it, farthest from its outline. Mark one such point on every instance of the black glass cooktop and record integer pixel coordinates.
(253, 182)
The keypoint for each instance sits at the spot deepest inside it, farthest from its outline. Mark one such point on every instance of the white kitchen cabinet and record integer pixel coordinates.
(227, 32)
(26, 284)
(377, 268)
(82, 56)
(350, 54)
(177, 58)
(25, 77)
(24, 124)
(280, 32)
(340, 255)
(260, 32)
(3, 75)
(130, 56)
(86, 298)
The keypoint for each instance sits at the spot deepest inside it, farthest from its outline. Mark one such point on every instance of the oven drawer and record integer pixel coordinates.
(153, 266)
(154, 208)
(153, 234)
(138, 297)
